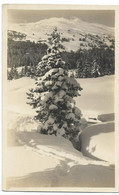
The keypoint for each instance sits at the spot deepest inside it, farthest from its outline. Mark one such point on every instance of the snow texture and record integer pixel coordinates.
(98, 142)
(50, 161)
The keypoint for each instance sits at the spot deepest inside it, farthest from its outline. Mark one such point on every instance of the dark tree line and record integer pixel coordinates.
(22, 53)
(88, 63)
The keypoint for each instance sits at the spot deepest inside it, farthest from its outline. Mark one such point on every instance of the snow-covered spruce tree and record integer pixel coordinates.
(13, 73)
(87, 70)
(53, 95)
(95, 69)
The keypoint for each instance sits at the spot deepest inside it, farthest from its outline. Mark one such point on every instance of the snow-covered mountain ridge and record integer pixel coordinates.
(74, 32)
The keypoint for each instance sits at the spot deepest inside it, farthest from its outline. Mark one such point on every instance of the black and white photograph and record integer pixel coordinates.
(59, 98)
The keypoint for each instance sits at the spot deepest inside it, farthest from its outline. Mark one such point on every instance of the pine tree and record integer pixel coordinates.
(87, 70)
(13, 73)
(95, 69)
(53, 95)
(79, 71)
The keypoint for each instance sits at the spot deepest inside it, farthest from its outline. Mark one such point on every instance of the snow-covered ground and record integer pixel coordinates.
(98, 141)
(35, 160)
(97, 96)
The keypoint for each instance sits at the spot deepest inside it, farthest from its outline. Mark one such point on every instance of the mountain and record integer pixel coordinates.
(74, 32)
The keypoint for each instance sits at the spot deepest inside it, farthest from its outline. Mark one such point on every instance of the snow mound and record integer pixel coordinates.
(56, 147)
(17, 96)
(98, 142)
(106, 117)
(50, 161)
(97, 96)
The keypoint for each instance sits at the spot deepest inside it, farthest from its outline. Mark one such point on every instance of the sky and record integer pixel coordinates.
(105, 17)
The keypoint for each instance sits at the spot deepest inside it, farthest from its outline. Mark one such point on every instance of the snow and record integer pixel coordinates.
(18, 69)
(98, 141)
(35, 160)
(17, 96)
(48, 83)
(61, 93)
(106, 117)
(60, 132)
(49, 161)
(68, 28)
(70, 116)
(49, 24)
(52, 107)
(24, 166)
(58, 83)
(97, 96)
(50, 120)
(77, 111)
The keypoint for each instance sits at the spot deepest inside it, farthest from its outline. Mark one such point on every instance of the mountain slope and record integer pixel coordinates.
(74, 32)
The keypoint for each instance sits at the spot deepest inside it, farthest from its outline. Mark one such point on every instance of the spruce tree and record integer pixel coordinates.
(53, 94)
(95, 69)
(87, 69)
(79, 71)
(13, 73)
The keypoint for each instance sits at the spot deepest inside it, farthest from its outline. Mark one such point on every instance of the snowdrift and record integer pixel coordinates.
(98, 142)
(49, 161)
(97, 96)
(106, 117)
(17, 96)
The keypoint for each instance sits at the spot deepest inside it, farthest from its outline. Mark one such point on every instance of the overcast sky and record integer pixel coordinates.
(106, 17)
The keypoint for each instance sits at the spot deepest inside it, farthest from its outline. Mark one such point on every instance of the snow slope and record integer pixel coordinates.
(35, 160)
(72, 29)
(97, 96)
(49, 161)
(47, 25)
(98, 142)
(106, 117)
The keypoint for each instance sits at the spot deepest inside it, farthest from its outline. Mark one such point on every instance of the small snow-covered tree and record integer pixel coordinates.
(95, 69)
(87, 70)
(13, 73)
(53, 95)
(79, 71)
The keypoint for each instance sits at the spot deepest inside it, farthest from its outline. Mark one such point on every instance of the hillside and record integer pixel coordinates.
(74, 33)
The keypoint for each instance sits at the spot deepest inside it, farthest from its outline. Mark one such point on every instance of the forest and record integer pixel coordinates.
(94, 62)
